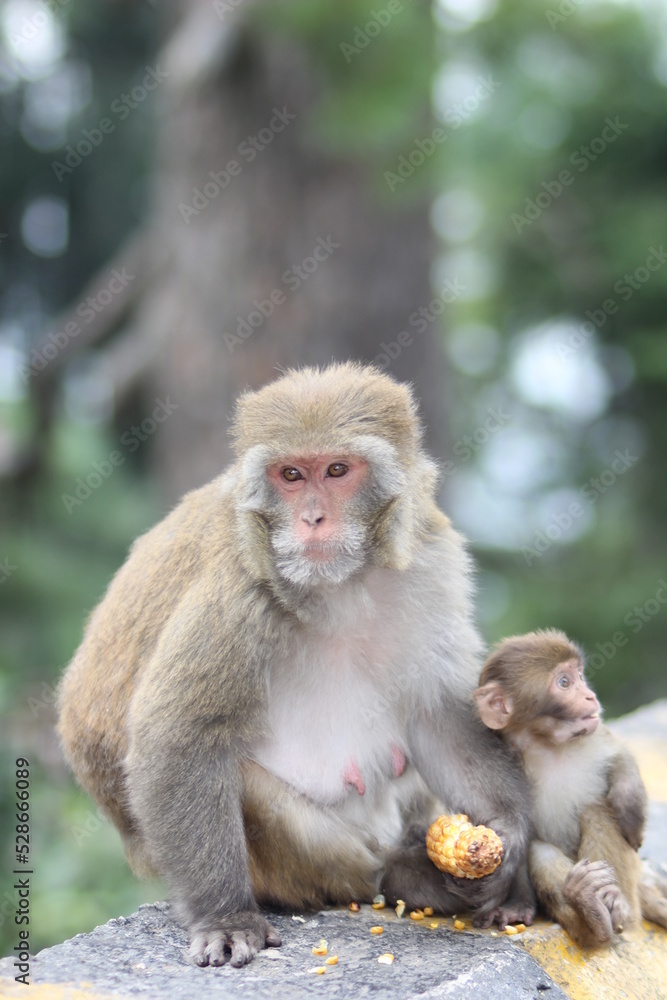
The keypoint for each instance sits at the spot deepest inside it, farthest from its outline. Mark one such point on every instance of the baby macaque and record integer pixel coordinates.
(588, 797)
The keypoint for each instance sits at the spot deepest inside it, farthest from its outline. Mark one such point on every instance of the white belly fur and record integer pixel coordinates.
(383, 649)
(324, 716)
(563, 783)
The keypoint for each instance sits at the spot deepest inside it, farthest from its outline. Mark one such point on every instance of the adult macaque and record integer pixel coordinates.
(280, 676)
(589, 799)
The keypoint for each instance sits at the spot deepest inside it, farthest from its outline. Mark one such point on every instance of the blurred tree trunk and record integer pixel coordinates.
(223, 251)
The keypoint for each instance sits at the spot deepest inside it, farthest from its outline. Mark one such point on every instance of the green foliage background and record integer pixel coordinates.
(598, 62)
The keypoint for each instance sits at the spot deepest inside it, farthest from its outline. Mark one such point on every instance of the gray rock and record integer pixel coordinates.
(146, 955)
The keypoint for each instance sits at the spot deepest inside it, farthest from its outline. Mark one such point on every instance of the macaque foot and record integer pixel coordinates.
(653, 894)
(511, 912)
(234, 939)
(411, 876)
(592, 890)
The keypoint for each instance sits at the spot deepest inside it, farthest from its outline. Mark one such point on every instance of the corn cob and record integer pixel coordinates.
(455, 846)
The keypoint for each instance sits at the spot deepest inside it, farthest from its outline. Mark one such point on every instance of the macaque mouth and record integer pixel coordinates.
(587, 724)
(319, 550)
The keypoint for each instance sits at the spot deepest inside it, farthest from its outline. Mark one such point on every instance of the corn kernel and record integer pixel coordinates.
(386, 959)
(379, 902)
(319, 970)
(511, 930)
(355, 907)
(377, 930)
(332, 960)
(434, 923)
(320, 949)
(400, 908)
(428, 911)
(459, 925)
(416, 915)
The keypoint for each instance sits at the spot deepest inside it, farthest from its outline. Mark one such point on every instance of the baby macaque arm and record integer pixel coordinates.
(627, 797)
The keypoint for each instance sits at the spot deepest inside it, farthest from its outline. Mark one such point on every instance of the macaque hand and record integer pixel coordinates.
(233, 939)
(592, 890)
(490, 894)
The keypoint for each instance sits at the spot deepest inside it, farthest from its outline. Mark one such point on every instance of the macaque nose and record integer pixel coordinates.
(312, 518)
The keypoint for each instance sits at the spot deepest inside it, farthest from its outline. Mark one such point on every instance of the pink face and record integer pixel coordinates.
(579, 707)
(317, 491)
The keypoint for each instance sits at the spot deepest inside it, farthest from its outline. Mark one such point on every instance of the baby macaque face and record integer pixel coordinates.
(532, 689)
(571, 706)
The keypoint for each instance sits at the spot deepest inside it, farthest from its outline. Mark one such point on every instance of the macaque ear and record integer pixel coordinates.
(494, 705)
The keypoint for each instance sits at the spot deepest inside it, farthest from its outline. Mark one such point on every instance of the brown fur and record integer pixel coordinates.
(121, 636)
(318, 410)
(280, 827)
(600, 841)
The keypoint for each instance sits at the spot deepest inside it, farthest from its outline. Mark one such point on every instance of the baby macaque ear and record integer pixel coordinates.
(493, 705)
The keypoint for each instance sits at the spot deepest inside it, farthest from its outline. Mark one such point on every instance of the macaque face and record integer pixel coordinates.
(317, 492)
(322, 532)
(572, 706)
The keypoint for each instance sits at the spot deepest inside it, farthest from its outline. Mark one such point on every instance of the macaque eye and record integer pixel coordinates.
(291, 475)
(563, 682)
(337, 469)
